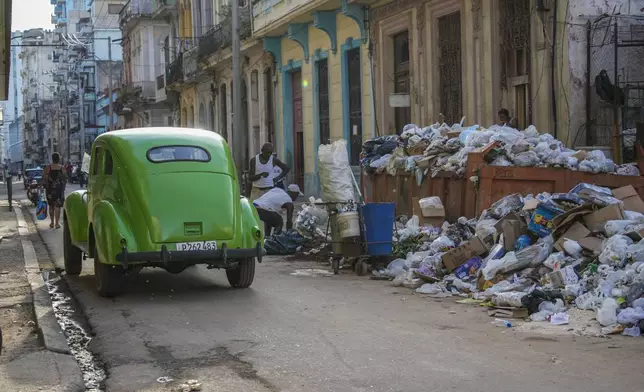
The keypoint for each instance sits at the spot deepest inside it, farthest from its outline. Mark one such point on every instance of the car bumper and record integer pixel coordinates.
(220, 257)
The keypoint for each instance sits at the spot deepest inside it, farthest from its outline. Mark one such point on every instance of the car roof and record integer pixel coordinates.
(134, 143)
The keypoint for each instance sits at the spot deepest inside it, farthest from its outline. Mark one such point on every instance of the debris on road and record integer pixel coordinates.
(581, 249)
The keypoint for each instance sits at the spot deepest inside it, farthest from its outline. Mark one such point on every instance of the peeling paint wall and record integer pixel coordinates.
(578, 14)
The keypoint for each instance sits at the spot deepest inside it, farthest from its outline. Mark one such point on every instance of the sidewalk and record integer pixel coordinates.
(25, 363)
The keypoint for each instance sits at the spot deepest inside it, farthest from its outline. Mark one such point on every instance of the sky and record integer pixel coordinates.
(29, 14)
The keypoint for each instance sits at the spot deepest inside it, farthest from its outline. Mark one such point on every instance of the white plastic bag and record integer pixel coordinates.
(510, 298)
(442, 244)
(396, 267)
(430, 202)
(634, 216)
(613, 227)
(495, 266)
(607, 314)
(615, 250)
(335, 172)
(572, 248)
(630, 316)
(526, 159)
(430, 288)
(554, 260)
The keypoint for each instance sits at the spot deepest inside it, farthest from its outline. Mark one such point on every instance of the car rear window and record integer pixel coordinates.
(178, 153)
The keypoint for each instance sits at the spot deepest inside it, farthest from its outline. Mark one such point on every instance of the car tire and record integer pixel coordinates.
(110, 278)
(73, 255)
(242, 276)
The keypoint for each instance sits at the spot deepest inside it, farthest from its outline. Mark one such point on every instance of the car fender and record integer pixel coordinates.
(75, 211)
(250, 223)
(108, 223)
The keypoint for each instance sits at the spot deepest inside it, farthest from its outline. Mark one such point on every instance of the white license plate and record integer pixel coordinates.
(201, 245)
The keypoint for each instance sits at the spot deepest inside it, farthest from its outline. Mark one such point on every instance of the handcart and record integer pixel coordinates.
(364, 233)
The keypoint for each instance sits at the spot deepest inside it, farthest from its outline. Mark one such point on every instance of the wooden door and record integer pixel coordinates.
(298, 130)
(355, 106)
(449, 66)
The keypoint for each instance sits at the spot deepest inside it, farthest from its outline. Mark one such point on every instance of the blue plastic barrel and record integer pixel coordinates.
(379, 227)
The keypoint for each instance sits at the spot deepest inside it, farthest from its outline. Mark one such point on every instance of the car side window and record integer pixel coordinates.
(96, 161)
(108, 163)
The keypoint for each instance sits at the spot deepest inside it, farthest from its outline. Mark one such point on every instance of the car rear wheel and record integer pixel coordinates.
(242, 276)
(110, 278)
(73, 255)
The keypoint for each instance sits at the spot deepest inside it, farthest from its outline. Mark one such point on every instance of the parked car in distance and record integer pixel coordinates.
(32, 174)
(161, 197)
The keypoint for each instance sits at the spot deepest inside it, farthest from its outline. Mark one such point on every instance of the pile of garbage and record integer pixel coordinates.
(533, 257)
(441, 148)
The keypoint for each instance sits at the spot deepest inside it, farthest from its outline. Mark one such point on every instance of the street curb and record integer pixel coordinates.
(53, 336)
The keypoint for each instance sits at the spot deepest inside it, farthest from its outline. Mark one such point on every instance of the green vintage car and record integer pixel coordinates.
(161, 197)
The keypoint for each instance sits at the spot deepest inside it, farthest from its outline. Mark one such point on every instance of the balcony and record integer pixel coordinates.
(190, 64)
(148, 89)
(220, 37)
(149, 9)
(174, 71)
(267, 12)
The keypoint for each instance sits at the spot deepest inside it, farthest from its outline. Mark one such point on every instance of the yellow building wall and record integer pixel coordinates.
(317, 39)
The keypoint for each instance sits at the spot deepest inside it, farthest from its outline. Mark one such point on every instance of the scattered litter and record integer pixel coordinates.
(311, 272)
(164, 380)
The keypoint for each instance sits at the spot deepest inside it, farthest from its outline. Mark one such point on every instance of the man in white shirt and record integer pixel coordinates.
(263, 173)
(271, 203)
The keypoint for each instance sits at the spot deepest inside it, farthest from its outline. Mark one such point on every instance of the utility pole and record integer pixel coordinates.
(109, 87)
(81, 117)
(237, 132)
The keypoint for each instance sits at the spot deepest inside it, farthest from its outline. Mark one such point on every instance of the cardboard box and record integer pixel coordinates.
(592, 244)
(469, 268)
(541, 222)
(595, 221)
(459, 255)
(512, 230)
(507, 312)
(436, 220)
(576, 232)
(630, 197)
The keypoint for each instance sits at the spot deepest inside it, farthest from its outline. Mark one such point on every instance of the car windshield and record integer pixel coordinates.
(178, 153)
(34, 173)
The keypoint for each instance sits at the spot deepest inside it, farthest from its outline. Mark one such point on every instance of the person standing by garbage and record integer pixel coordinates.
(505, 120)
(262, 171)
(270, 204)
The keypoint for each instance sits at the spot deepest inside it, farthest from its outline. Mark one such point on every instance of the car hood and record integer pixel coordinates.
(179, 203)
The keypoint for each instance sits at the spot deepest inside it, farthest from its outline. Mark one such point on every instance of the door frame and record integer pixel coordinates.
(348, 45)
(287, 111)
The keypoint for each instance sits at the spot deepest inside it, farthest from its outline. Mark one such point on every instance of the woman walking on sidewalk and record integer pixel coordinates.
(55, 180)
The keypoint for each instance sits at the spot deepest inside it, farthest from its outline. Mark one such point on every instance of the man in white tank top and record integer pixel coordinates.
(262, 171)
(270, 204)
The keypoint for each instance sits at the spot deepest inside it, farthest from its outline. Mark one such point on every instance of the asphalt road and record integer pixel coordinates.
(325, 333)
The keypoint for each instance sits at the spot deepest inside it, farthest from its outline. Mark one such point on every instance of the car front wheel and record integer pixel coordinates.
(73, 255)
(110, 278)
(242, 276)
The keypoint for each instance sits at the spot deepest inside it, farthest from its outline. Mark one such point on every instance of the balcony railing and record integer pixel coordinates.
(174, 71)
(221, 36)
(148, 89)
(145, 8)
